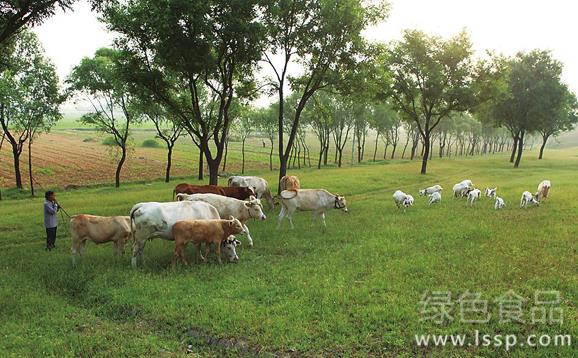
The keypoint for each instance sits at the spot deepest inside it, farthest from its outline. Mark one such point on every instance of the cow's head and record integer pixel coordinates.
(340, 203)
(422, 192)
(408, 201)
(235, 226)
(229, 248)
(255, 208)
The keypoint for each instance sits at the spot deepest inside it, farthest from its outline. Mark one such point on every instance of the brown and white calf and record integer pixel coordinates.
(258, 184)
(242, 210)
(316, 200)
(203, 232)
(100, 230)
(543, 189)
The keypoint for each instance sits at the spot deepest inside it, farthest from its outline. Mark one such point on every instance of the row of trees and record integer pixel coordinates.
(191, 68)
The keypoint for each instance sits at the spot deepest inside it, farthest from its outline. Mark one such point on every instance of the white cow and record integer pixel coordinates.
(259, 185)
(156, 220)
(435, 197)
(473, 196)
(528, 198)
(316, 200)
(543, 189)
(490, 192)
(499, 204)
(432, 189)
(402, 199)
(460, 188)
(239, 209)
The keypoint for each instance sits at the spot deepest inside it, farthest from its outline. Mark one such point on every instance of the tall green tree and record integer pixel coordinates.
(428, 79)
(195, 57)
(29, 98)
(563, 117)
(99, 81)
(324, 38)
(534, 92)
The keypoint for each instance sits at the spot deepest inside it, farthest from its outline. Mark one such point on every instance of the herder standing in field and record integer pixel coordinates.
(50, 219)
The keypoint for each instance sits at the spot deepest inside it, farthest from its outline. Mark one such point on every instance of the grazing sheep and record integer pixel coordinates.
(500, 204)
(528, 198)
(490, 192)
(432, 189)
(461, 188)
(543, 189)
(474, 195)
(435, 197)
(402, 199)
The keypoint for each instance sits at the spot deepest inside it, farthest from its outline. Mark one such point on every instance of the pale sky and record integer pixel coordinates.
(506, 26)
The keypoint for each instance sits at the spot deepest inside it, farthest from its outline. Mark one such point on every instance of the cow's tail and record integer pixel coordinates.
(174, 194)
(229, 181)
(132, 224)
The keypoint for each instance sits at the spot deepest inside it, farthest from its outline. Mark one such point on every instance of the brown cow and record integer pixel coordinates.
(231, 192)
(203, 231)
(290, 182)
(99, 229)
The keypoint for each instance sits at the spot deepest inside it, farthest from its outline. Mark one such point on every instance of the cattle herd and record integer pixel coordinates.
(201, 214)
(213, 215)
(465, 189)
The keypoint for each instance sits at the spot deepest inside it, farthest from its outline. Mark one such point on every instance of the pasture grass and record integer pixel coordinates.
(351, 291)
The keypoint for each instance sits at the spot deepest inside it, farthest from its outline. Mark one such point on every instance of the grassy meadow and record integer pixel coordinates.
(354, 290)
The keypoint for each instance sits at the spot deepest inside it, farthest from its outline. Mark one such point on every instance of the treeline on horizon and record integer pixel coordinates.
(192, 69)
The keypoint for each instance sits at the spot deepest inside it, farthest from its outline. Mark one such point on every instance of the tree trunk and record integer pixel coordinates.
(520, 149)
(201, 164)
(226, 153)
(405, 147)
(119, 166)
(514, 148)
(213, 172)
(393, 150)
(243, 156)
(426, 144)
(375, 149)
(544, 140)
(169, 163)
(30, 166)
(271, 157)
(16, 156)
(340, 158)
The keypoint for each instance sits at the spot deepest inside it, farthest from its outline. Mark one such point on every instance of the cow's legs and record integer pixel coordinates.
(137, 251)
(207, 248)
(281, 216)
(290, 217)
(323, 221)
(218, 252)
(199, 252)
(249, 238)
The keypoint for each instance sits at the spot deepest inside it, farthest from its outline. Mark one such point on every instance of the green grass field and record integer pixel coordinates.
(354, 290)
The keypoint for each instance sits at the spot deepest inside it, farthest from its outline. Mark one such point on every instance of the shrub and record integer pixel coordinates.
(88, 140)
(109, 141)
(150, 143)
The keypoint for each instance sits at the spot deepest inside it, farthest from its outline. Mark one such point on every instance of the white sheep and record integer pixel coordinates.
(490, 192)
(528, 198)
(435, 197)
(460, 188)
(402, 199)
(473, 196)
(500, 204)
(432, 189)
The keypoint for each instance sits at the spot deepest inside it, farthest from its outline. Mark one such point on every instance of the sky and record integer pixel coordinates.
(506, 26)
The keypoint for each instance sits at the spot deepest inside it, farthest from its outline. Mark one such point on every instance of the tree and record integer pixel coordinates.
(564, 116)
(325, 38)
(267, 123)
(430, 79)
(29, 98)
(383, 122)
(195, 57)
(168, 128)
(15, 15)
(533, 92)
(321, 121)
(99, 80)
(244, 127)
